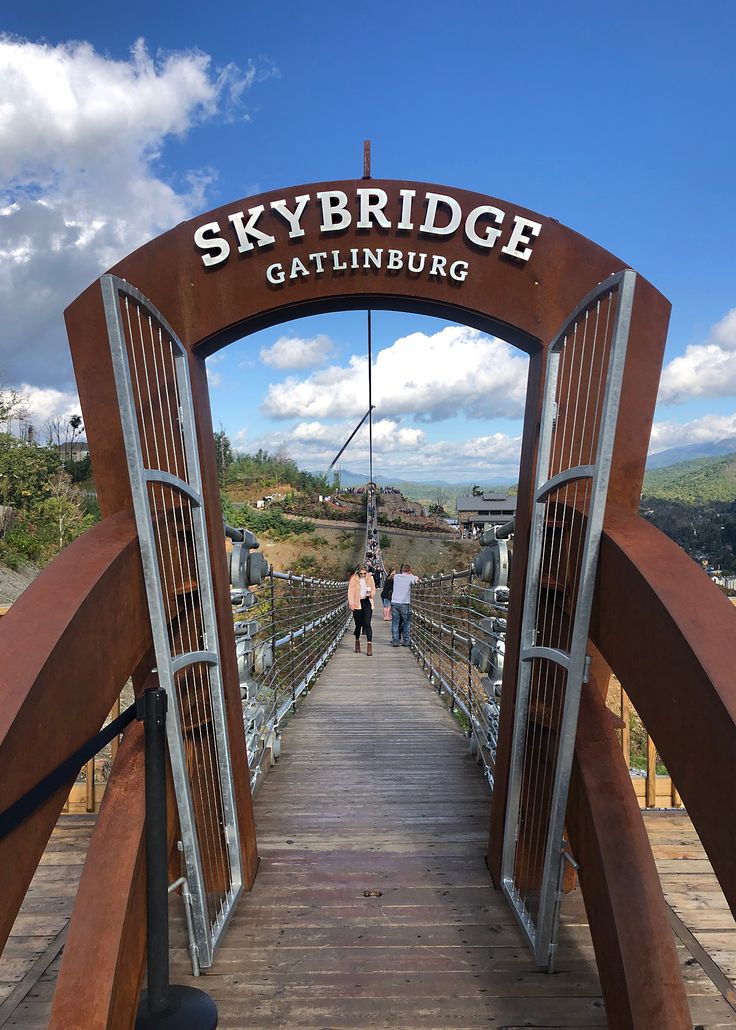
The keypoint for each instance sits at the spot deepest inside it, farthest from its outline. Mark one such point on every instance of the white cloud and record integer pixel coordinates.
(454, 371)
(705, 369)
(707, 429)
(295, 352)
(80, 135)
(38, 406)
(399, 450)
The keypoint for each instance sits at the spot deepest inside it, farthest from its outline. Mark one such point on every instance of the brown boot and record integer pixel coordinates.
(357, 645)
(369, 649)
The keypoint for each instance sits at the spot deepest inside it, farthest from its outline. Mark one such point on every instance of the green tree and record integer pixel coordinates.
(25, 472)
(60, 516)
(224, 456)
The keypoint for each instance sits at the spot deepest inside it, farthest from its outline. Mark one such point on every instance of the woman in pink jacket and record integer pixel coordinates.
(361, 591)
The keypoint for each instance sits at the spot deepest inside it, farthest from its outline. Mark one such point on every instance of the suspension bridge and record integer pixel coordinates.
(296, 834)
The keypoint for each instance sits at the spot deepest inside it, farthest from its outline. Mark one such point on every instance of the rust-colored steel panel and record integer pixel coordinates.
(523, 301)
(634, 945)
(669, 635)
(62, 665)
(101, 971)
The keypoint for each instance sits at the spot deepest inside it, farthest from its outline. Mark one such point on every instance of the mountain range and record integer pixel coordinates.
(674, 455)
(675, 471)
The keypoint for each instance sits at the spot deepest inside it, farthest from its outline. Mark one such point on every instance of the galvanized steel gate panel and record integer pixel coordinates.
(156, 410)
(582, 387)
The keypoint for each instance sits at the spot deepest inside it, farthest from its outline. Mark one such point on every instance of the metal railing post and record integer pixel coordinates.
(162, 1005)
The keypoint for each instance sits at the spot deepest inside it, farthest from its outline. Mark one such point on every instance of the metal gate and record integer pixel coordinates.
(579, 413)
(156, 411)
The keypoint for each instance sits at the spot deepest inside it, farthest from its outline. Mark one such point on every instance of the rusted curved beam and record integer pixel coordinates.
(670, 636)
(634, 945)
(67, 646)
(109, 918)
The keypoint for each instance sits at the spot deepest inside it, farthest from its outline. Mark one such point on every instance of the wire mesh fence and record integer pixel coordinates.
(286, 629)
(458, 637)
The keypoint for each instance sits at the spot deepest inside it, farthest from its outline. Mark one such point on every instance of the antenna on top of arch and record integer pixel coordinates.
(366, 159)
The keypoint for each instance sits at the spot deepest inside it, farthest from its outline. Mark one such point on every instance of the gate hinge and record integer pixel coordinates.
(586, 669)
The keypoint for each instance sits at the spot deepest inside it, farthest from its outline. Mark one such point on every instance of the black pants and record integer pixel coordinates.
(363, 616)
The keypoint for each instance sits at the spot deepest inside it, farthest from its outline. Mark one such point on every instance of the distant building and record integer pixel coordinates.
(476, 514)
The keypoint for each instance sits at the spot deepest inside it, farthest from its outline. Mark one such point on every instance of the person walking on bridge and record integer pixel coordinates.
(361, 591)
(388, 588)
(401, 606)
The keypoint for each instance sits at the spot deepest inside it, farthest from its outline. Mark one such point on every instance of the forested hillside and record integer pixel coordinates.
(694, 503)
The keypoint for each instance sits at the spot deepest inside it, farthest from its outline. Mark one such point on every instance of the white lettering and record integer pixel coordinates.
(354, 263)
(522, 233)
(459, 271)
(490, 236)
(292, 218)
(318, 260)
(372, 257)
(407, 199)
(335, 215)
(433, 202)
(275, 274)
(336, 262)
(217, 244)
(245, 231)
(372, 203)
(298, 268)
(438, 265)
(410, 263)
(395, 261)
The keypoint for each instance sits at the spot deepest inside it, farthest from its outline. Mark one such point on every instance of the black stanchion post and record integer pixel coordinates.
(162, 1005)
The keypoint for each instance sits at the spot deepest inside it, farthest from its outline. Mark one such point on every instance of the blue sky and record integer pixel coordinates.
(616, 120)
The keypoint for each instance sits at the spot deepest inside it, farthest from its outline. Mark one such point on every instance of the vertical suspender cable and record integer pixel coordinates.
(370, 397)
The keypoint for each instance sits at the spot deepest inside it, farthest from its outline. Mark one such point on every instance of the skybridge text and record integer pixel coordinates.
(371, 209)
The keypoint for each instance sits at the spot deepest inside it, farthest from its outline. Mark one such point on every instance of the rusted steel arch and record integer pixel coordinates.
(68, 645)
(669, 635)
(210, 306)
(523, 301)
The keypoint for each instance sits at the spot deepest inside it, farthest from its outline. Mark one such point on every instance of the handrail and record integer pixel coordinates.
(45, 715)
(677, 666)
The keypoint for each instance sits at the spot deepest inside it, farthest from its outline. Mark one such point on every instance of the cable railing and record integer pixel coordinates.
(458, 636)
(286, 629)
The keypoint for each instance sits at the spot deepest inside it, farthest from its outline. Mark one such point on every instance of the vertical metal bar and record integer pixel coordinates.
(370, 390)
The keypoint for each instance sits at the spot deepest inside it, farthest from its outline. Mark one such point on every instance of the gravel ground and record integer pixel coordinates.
(14, 581)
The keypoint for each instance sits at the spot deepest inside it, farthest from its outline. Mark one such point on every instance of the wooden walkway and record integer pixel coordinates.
(373, 906)
(30, 962)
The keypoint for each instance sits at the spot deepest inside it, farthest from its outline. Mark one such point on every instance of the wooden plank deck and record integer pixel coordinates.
(373, 906)
(30, 962)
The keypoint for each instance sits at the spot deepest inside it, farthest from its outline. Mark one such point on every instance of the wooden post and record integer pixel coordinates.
(651, 789)
(626, 728)
(90, 785)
